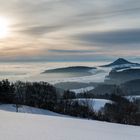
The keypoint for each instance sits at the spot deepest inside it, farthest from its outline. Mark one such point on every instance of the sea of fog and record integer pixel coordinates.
(32, 72)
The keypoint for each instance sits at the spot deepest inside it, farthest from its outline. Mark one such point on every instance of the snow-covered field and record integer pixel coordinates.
(126, 65)
(127, 69)
(26, 109)
(133, 97)
(82, 90)
(95, 104)
(23, 126)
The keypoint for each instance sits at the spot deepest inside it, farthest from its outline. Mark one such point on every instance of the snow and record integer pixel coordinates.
(22, 126)
(125, 65)
(82, 90)
(99, 103)
(128, 69)
(95, 104)
(26, 109)
(133, 97)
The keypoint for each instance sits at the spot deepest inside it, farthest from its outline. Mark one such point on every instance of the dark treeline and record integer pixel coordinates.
(41, 95)
(121, 111)
(46, 96)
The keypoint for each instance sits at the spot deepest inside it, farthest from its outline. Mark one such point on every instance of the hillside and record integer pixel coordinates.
(69, 72)
(122, 76)
(73, 85)
(132, 87)
(121, 63)
(102, 89)
(27, 109)
(19, 126)
(70, 69)
(95, 104)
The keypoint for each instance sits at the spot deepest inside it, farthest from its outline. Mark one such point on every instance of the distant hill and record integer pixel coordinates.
(122, 71)
(121, 76)
(122, 63)
(103, 89)
(70, 69)
(73, 85)
(131, 87)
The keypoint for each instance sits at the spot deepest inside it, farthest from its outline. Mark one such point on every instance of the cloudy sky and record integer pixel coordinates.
(70, 30)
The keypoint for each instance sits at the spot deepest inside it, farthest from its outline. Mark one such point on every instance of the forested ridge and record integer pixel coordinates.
(43, 95)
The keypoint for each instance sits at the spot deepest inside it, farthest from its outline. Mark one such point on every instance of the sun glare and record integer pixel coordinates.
(4, 27)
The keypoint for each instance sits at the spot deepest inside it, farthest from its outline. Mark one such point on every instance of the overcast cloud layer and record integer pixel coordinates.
(71, 30)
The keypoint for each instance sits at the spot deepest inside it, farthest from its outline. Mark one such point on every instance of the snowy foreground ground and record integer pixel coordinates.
(23, 126)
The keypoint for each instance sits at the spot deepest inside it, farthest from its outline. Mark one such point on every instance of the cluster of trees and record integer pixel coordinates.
(44, 95)
(41, 95)
(121, 111)
(72, 106)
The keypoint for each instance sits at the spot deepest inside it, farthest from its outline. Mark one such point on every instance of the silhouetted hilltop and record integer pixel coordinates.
(121, 62)
(70, 69)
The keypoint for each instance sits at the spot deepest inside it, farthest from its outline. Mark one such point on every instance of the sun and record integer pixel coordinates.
(4, 27)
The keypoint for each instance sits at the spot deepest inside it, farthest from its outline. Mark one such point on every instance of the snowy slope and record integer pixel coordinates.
(82, 90)
(19, 126)
(126, 65)
(95, 104)
(26, 109)
(120, 70)
(133, 97)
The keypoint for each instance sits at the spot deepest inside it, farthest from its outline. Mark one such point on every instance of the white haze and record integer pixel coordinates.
(32, 71)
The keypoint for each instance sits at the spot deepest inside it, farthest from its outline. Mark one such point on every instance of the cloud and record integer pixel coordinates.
(40, 30)
(71, 29)
(118, 37)
(71, 51)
